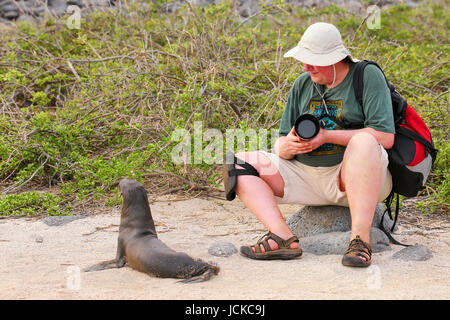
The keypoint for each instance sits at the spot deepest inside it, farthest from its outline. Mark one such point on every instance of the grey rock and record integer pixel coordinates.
(32, 7)
(51, 3)
(408, 3)
(9, 10)
(56, 221)
(326, 243)
(315, 220)
(9, 7)
(37, 10)
(202, 3)
(222, 249)
(243, 8)
(413, 253)
(412, 3)
(26, 18)
(171, 7)
(313, 3)
(10, 14)
(75, 3)
(175, 5)
(58, 7)
(39, 239)
(379, 241)
(380, 2)
(337, 242)
(353, 6)
(96, 3)
(5, 21)
(247, 8)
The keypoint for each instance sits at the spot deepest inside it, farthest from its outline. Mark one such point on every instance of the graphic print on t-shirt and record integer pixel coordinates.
(317, 109)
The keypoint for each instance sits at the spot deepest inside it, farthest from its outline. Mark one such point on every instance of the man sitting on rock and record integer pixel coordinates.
(338, 166)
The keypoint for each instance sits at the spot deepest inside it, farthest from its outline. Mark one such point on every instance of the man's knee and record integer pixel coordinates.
(258, 160)
(363, 143)
(267, 170)
(363, 139)
(362, 153)
(243, 156)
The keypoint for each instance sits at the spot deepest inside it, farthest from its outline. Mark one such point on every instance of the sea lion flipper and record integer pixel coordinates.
(109, 264)
(120, 262)
(209, 270)
(201, 278)
(120, 254)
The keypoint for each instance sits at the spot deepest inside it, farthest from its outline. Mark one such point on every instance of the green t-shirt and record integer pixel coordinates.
(342, 104)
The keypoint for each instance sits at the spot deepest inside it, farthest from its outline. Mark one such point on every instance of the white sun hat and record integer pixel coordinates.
(320, 45)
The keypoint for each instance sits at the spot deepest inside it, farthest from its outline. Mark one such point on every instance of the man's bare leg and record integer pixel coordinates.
(361, 177)
(258, 195)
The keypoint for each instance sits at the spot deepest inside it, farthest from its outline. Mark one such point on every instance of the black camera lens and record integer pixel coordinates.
(306, 126)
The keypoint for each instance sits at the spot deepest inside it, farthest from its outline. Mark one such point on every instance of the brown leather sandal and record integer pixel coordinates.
(284, 251)
(359, 254)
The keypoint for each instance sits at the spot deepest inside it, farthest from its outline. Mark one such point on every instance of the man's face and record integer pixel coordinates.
(320, 75)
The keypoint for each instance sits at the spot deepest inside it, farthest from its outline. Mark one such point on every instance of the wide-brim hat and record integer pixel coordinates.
(320, 45)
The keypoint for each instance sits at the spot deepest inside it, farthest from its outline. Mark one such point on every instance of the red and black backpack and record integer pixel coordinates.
(413, 152)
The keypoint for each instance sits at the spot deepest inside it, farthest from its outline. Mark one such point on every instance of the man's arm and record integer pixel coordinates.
(342, 137)
(288, 146)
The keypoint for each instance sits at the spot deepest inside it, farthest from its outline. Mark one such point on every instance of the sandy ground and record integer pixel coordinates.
(43, 262)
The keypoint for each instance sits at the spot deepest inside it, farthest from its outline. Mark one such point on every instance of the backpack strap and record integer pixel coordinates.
(358, 88)
(415, 136)
(358, 79)
(388, 203)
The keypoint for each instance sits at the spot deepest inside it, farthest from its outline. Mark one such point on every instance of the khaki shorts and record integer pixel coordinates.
(316, 186)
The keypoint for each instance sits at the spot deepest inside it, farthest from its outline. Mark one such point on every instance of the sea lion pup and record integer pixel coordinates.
(139, 246)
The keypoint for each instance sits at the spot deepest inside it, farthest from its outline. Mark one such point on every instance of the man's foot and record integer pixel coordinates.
(359, 254)
(271, 246)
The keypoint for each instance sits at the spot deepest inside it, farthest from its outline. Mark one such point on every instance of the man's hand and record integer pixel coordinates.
(288, 146)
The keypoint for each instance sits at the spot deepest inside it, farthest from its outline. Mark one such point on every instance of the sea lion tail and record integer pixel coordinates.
(110, 264)
(211, 270)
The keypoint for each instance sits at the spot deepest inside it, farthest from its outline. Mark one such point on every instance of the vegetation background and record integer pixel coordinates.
(82, 108)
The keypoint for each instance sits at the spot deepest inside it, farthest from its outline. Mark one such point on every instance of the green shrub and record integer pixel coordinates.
(31, 204)
(83, 108)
